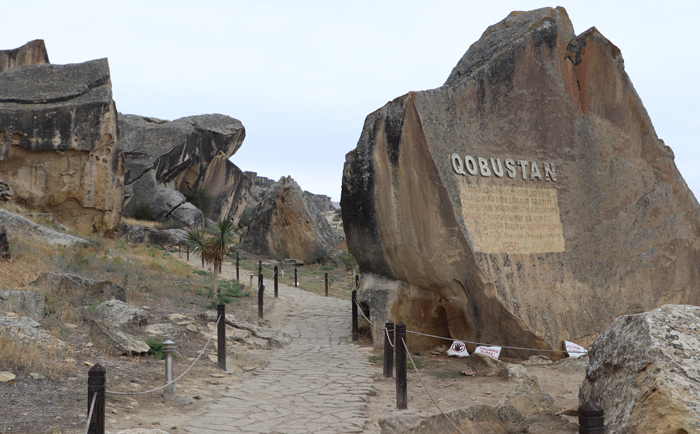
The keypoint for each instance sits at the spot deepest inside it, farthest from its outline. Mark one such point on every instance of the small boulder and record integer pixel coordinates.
(26, 330)
(538, 360)
(30, 303)
(21, 226)
(472, 419)
(6, 376)
(5, 191)
(512, 371)
(115, 341)
(529, 398)
(163, 330)
(86, 290)
(4, 244)
(482, 364)
(119, 314)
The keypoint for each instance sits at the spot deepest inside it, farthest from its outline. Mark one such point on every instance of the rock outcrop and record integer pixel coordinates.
(644, 371)
(31, 53)
(525, 202)
(160, 237)
(27, 330)
(26, 303)
(17, 225)
(114, 341)
(475, 419)
(320, 201)
(286, 223)
(58, 143)
(79, 289)
(163, 157)
(6, 192)
(4, 244)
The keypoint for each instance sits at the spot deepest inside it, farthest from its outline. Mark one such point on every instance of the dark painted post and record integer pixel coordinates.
(179, 249)
(389, 349)
(97, 377)
(326, 284)
(295, 278)
(238, 263)
(187, 249)
(590, 418)
(401, 385)
(357, 281)
(275, 281)
(261, 289)
(355, 327)
(259, 267)
(221, 334)
(219, 268)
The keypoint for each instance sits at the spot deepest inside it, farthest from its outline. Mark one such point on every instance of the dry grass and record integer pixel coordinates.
(50, 361)
(133, 221)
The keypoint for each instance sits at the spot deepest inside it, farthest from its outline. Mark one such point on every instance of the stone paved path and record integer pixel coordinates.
(316, 384)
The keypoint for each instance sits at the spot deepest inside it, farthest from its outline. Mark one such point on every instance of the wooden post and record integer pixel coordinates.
(295, 278)
(590, 418)
(357, 281)
(355, 327)
(97, 377)
(221, 334)
(259, 267)
(238, 263)
(389, 349)
(401, 385)
(187, 248)
(276, 281)
(179, 249)
(261, 289)
(219, 268)
(326, 284)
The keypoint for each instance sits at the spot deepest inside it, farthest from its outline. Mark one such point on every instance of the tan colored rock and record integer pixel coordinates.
(286, 221)
(31, 53)
(591, 219)
(58, 149)
(529, 398)
(644, 371)
(6, 376)
(475, 419)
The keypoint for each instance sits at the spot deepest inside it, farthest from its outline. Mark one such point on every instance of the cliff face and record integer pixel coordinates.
(31, 53)
(526, 201)
(58, 143)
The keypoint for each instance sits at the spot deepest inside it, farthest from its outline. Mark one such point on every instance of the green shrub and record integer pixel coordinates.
(156, 348)
(348, 260)
(200, 198)
(143, 211)
(319, 255)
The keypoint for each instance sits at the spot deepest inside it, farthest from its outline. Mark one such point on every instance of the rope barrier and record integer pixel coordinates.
(468, 342)
(175, 380)
(388, 338)
(426, 387)
(92, 407)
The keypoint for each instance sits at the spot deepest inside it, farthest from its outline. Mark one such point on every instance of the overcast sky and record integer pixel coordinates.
(302, 75)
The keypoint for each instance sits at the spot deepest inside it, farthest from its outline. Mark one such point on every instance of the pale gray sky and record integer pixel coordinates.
(302, 75)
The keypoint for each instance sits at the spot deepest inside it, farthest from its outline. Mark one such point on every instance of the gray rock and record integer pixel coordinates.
(84, 291)
(286, 221)
(528, 397)
(17, 225)
(167, 331)
(46, 110)
(275, 338)
(29, 303)
(31, 53)
(483, 364)
(513, 371)
(115, 341)
(28, 331)
(119, 314)
(475, 419)
(143, 234)
(6, 192)
(321, 201)
(4, 244)
(644, 371)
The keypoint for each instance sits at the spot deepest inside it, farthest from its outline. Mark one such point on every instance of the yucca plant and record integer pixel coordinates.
(211, 246)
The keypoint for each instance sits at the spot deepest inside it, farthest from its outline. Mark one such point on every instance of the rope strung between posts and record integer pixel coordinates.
(465, 341)
(175, 380)
(388, 338)
(92, 407)
(426, 387)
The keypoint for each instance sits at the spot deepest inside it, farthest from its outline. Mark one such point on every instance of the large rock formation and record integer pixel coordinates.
(526, 201)
(31, 53)
(285, 222)
(18, 226)
(644, 372)
(58, 142)
(163, 157)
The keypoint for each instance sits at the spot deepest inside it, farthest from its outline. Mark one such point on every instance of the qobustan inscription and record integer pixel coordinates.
(528, 169)
(508, 219)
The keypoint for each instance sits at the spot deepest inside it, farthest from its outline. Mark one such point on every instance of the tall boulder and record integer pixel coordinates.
(286, 221)
(58, 143)
(526, 201)
(320, 201)
(163, 157)
(644, 371)
(31, 53)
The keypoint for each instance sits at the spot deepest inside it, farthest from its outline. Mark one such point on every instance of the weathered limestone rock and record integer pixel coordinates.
(143, 234)
(513, 371)
(163, 157)
(27, 330)
(529, 398)
(475, 419)
(286, 220)
(119, 314)
(483, 365)
(6, 192)
(644, 371)
(321, 201)
(525, 202)
(84, 291)
(31, 53)
(4, 244)
(58, 150)
(28, 303)
(17, 225)
(115, 341)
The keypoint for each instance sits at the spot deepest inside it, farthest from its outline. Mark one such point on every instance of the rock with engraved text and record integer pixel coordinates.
(525, 202)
